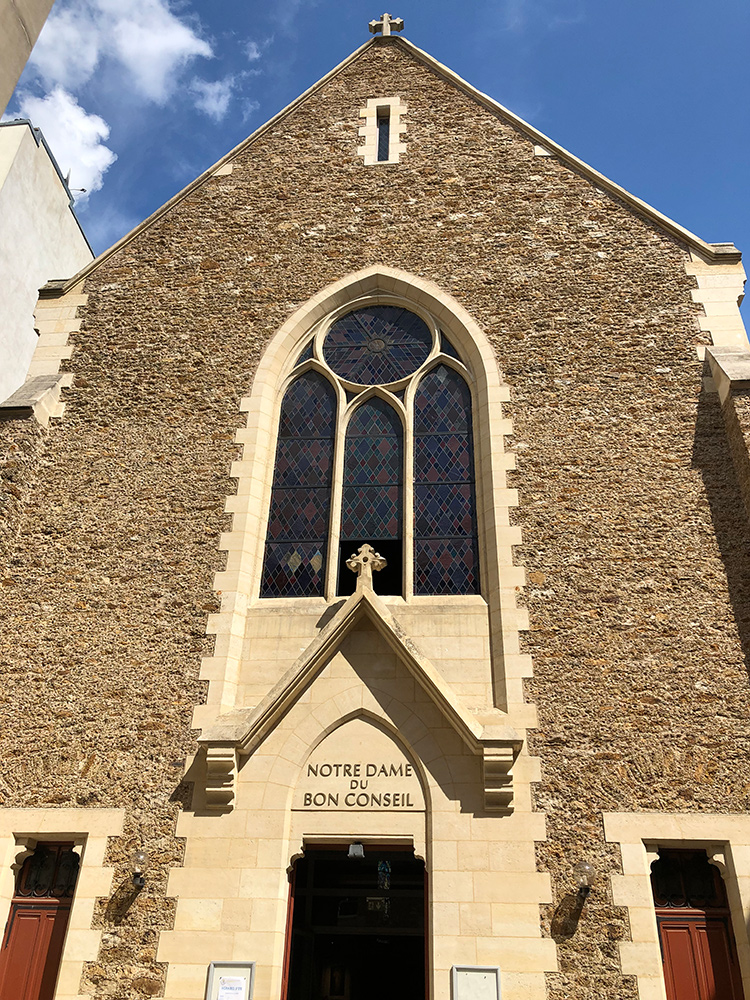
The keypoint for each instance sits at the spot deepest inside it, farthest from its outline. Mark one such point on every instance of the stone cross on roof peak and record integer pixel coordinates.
(387, 24)
(364, 563)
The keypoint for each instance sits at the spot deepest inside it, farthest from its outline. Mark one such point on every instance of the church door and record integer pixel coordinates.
(695, 931)
(35, 933)
(357, 926)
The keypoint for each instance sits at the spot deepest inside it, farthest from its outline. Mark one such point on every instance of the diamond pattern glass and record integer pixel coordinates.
(445, 534)
(442, 404)
(438, 459)
(309, 408)
(303, 462)
(301, 495)
(443, 511)
(371, 512)
(294, 569)
(446, 566)
(298, 514)
(373, 461)
(377, 345)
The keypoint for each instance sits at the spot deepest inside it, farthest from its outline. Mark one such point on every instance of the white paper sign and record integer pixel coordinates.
(232, 988)
(476, 983)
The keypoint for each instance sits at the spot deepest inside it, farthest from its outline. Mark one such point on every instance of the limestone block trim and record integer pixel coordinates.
(221, 774)
(239, 582)
(369, 131)
(38, 397)
(89, 830)
(725, 837)
(730, 378)
(720, 291)
(498, 780)
(730, 369)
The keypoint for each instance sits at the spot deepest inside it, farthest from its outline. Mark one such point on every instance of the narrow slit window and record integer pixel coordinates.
(384, 133)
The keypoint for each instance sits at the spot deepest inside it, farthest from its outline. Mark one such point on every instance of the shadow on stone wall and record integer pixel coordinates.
(121, 901)
(712, 456)
(567, 914)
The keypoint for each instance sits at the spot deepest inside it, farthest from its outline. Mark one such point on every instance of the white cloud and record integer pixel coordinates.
(145, 37)
(153, 44)
(253, 51)
(68, 48)
(75, 137)
(248, 109)
(213, 98)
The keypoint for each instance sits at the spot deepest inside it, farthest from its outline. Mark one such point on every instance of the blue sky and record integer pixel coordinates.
(137, 97)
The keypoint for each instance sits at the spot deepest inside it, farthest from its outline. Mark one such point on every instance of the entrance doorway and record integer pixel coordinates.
(357, 926)
(35, 933)
(695, 931)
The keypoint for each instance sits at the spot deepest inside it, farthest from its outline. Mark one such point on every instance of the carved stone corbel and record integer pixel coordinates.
(497, 764)
(221, 775)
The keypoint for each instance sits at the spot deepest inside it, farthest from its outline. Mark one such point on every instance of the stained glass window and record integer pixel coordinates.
(445, 538)
(372, 503)
(447, 348)
(306, 354)
(377, 345)
(297, 537)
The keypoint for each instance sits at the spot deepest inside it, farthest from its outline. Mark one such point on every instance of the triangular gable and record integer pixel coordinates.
(725, 252)
(240, 732)
(249, 727)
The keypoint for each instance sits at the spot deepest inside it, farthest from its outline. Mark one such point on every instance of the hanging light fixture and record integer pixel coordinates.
(139, 864)
(585, 875)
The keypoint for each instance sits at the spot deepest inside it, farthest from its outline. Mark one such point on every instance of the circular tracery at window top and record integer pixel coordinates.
(377, 345)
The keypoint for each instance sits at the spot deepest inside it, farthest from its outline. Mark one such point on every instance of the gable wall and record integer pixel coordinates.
(633, 529)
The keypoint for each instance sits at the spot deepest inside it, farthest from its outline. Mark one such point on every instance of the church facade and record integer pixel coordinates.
(375, 579)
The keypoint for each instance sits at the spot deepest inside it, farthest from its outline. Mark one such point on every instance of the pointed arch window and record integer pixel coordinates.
(445, 523)
(296, 541)
(372, 497)
(405, 391)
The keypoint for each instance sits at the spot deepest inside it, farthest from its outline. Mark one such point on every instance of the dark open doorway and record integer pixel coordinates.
(357, 929)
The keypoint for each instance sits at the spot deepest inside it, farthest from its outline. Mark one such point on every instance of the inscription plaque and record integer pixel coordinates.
(359, 767)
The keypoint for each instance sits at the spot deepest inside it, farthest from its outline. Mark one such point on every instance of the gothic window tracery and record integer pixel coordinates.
(391, 463)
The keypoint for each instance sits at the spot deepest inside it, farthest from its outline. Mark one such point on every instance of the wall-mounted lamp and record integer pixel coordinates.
(356, 851)
(139, 862)
(585, 875)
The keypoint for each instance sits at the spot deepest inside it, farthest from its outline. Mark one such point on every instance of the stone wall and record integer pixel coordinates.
(634, 531)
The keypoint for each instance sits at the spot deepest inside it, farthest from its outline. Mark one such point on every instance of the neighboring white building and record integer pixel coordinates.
(40, 239)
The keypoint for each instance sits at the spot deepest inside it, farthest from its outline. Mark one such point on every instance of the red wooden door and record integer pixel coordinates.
(35, 933)
(695, 931)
